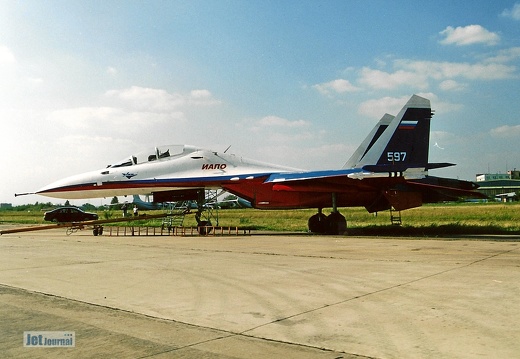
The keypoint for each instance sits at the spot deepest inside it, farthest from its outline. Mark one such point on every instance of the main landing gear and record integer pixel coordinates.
(334, 223)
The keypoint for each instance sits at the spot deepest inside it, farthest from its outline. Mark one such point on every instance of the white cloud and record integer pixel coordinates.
(442, 107)
(377, 79)
(10, 78)
(451, 85)
(275, 121)
(148, 99)
(337, 86)
(93, 148)
(506, 131)
(513, 13)
(111, 71)
(292, 137)
(6, 56)
(200, 94)
(279, 136)
(505, 55)
(378, 107)
(159, 100)
(419, 74)
(115, 122)
(468, 35)
(449, 70)
(83, 117)
(202, 98)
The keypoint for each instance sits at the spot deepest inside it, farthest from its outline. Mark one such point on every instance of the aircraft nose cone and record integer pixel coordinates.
(54, 189)
(67, 188)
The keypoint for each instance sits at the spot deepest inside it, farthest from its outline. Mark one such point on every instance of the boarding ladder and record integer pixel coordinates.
(395, 217)
(177, 211)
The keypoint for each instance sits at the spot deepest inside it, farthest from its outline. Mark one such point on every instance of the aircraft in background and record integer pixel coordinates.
(146, 205)
(234, 202)
(389, 170)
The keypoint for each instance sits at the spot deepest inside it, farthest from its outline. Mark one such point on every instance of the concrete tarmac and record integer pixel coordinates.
(290, 296)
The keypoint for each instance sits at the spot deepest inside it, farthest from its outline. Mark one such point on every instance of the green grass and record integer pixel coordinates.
(440, 219)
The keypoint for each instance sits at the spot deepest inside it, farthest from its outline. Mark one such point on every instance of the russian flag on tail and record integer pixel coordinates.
(407, 125)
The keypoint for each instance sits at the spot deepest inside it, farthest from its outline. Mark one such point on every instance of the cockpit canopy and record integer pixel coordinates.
(154, 154)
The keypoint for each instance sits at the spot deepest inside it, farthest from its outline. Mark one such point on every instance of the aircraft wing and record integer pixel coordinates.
(349, 180)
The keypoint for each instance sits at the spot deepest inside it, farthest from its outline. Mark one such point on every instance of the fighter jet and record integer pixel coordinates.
(389, 170)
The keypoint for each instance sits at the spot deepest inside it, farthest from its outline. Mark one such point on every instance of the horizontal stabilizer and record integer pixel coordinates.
(450, 183)
(432, 166)
(402, 166)
(437, 189)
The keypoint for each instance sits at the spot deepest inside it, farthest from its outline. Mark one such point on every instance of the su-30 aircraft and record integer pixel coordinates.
(389, 170)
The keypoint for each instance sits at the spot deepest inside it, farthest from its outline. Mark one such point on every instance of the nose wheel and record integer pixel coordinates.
(204, 227)
(97, 231)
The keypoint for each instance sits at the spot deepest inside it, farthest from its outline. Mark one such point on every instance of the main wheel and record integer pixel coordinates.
(337, 224)
(318, 223)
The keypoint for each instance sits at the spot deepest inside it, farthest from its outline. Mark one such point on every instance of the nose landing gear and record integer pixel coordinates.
(206, 211)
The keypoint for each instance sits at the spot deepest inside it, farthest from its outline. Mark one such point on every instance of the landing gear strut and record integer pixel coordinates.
(205, 212)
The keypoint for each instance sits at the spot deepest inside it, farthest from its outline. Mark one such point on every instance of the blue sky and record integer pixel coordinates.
(84, 84)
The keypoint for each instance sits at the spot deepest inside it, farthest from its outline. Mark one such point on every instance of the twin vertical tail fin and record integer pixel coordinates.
(369, 141)
(403, 145)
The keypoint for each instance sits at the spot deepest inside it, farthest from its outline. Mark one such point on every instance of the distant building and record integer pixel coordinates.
(492, 177)
(498, 176)
(6, 205)
(514, 174)
(501, 186)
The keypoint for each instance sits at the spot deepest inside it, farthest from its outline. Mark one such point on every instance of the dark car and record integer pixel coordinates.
(69, 214)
